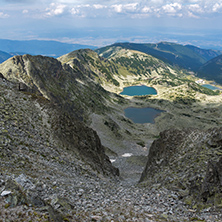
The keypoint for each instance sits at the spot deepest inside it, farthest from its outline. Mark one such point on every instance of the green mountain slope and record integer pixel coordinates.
(207, 54)
(137, 67)
(175, 54)
(212, 70)
(99, 69)
(121, 65)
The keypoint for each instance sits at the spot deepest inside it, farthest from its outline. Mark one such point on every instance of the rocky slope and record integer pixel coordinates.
(73, 82)
(48, 145)
(42, 179)
(52, 161)
(62, 88)
(187, 161)
(61, 84)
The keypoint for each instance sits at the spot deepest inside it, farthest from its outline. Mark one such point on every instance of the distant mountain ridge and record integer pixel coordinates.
(39, 47)
(207, 54)
(212, 70)
(185, 56)
(4, 56)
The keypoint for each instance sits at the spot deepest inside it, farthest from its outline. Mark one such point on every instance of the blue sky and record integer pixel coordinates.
(104, 22)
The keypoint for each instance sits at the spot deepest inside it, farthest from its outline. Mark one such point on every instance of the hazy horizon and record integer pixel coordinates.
(101, 23)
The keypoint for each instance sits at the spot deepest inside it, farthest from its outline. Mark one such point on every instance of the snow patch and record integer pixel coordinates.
(127, 155)
(5, 193)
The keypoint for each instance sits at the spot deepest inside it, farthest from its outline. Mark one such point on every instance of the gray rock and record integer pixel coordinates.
(24, 182)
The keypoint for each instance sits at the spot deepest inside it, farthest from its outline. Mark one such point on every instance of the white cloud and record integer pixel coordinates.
(131, 6)
(74, 11)
(146, 9)
(98, 6)
(81, 10)
(194, 1)
(55, 9)
(117, 8)
(172, 8)
(217, 7)
(3, 15)
(195, 8)
(59, 9)
(169, 9)
(110, 9)
(25, 11)
(84, 6)
(191, 15)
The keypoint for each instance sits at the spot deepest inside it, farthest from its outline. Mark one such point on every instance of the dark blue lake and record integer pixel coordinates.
(142, 115)
(210, 87)
(138, 91)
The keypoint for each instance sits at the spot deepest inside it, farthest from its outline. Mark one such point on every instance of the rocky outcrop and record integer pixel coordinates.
(71, 89)
(48, 78)
(189, 162)
(212, 184)
(83, 141)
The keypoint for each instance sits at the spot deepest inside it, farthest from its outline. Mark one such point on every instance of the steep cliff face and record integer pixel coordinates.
(70, 88)
(44, 151)
(68, 99)
(188, 161)
(82, 141)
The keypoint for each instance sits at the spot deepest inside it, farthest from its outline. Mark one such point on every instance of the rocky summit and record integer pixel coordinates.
(61, 122)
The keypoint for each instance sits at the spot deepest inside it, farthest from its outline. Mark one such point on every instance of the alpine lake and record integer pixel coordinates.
(141, 115)
(211, 87)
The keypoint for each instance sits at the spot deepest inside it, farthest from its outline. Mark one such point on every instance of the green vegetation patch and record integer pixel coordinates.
(203, 90)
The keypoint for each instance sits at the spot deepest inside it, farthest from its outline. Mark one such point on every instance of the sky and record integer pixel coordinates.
(104, 22)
